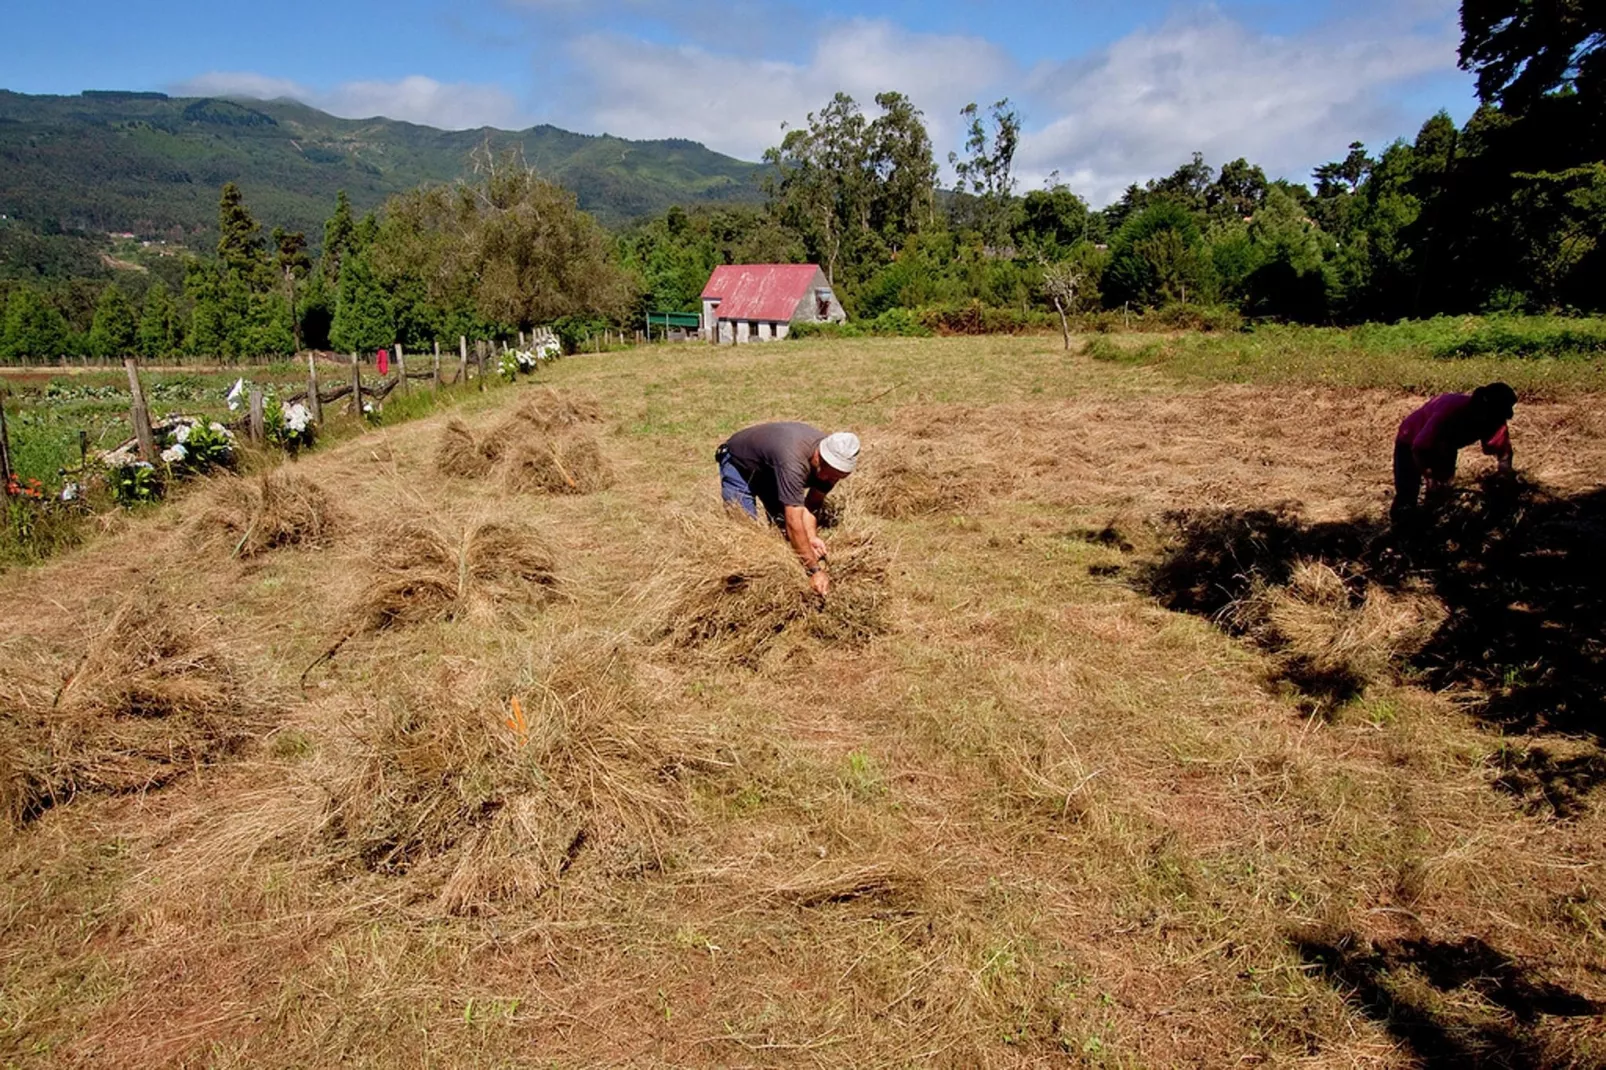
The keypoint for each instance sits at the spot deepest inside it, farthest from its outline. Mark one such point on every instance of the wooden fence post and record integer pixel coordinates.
(356, 386)
(314, 403)
(401, 367)
(437, 364)
(140, 415)
(479, 358)
(5, 452)
(258, 425)
(462, 362)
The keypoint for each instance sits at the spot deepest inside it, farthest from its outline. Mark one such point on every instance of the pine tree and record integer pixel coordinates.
(239, 244)
(115, 329)
(158, 326)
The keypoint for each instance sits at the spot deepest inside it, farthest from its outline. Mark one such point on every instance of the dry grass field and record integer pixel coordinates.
(1129, 737)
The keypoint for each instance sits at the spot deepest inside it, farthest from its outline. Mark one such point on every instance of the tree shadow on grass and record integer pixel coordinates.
(1400, 984)
(1521, 572)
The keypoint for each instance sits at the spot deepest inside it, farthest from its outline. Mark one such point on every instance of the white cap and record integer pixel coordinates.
(840, 451)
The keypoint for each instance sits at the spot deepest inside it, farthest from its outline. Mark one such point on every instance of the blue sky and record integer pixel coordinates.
(1111, 91)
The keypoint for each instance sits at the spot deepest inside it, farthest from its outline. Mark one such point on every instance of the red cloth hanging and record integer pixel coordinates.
(384, 362)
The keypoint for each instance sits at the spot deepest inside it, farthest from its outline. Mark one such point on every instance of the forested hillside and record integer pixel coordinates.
(152, 165)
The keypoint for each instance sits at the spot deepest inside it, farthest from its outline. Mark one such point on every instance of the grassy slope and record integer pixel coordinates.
(107, 163)
(1043, 818)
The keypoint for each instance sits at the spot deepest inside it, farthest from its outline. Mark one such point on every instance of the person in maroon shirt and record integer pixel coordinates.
(1429, 439)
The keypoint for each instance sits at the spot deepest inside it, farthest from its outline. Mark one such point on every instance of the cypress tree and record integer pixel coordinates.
(158, 326)
(363, 316)
(115, 330)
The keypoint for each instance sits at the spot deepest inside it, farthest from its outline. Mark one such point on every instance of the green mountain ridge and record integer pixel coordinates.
(113, 162)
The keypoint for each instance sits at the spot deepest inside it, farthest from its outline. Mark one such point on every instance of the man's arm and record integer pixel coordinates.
(812, 504)
(799, 532)
(1499, 445)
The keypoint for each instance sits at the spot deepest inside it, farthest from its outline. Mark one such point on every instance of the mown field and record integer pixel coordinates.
(1129, 736)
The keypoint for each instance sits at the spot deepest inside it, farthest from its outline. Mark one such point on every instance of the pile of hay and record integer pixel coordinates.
(901, 480)
(539, 449)
(567, 464)
(279, 509)
(459, 453)
(1332, 636)
(550, 409)
(150, 700)
(485, 806)
(739, 594)
(441, 570)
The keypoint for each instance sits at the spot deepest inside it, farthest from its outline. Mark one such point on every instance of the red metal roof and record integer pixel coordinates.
(760, 291)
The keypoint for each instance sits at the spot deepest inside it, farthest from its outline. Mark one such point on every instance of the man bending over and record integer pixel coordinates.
(789, 468)
(1429, 439)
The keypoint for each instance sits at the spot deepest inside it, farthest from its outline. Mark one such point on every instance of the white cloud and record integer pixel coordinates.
(413, 99)
(736, 104)
(1205, 83)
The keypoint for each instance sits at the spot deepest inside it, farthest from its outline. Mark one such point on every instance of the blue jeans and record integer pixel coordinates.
(736, 490)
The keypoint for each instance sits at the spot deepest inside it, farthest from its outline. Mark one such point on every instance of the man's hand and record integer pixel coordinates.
(818, 546)
(821, 582)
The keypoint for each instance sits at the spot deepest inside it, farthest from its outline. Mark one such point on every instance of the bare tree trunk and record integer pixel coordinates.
(1065, 324)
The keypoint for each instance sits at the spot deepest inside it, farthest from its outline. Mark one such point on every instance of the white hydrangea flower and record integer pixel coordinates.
(367, 406)
(174, 453)
(181, 433)
(296, 417)
(69, 492)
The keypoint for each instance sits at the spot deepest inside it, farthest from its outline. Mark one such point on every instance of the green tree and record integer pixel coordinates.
(822, 183)
(903, 194)
(1053, 220)
(158, 324)
(207, 331)
(115, 329)
(364, 319)
(32, 329)
(1522, 50)
(239, 246)
(290, 257)
(986, 171)
(338, 234)
(1157, 257)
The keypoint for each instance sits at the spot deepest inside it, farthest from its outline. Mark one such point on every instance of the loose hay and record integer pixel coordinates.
(459, 453)
(549, 410)
(739, 593)
(569, 464)
(280, 509)
(431, 571)
(1333, 637)
(903, 480)
(150, 700)
(534, 451)
(488, 807)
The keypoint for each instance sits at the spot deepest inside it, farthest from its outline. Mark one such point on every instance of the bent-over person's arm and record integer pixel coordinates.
(799, 532)
(1498, 445)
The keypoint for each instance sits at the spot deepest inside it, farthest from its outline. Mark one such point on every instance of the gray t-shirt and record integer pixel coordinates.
(777, 459)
